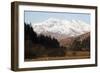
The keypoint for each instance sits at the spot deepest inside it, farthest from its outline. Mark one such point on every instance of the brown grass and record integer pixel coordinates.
(69, 55)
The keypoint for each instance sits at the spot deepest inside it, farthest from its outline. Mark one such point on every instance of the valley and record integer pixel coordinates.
(56, 39)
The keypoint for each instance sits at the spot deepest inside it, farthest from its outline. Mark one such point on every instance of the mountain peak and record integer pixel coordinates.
(60, 27)
(53, 19)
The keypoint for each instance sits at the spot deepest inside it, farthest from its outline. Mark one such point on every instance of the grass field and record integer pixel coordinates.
(69, 55)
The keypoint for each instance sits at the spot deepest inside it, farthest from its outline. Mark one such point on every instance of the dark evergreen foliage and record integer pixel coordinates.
(49, 45)
(86, 44)
(46, 41)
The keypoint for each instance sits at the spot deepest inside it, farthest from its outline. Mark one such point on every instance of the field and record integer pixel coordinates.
(69, 55)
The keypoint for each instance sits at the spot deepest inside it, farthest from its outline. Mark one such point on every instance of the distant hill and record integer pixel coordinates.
(82, 42)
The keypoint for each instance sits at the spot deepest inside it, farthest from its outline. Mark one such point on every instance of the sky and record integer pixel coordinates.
(40, 16)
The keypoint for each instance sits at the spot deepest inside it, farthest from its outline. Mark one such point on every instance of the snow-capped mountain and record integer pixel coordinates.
(58, 28)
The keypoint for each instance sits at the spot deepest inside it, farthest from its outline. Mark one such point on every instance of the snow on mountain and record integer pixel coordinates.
(60, 27)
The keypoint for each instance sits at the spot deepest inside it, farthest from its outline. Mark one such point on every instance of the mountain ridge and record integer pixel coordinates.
(58, 28)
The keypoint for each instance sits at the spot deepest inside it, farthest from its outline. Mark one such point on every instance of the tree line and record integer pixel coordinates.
(37, 45)
(46, 41)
